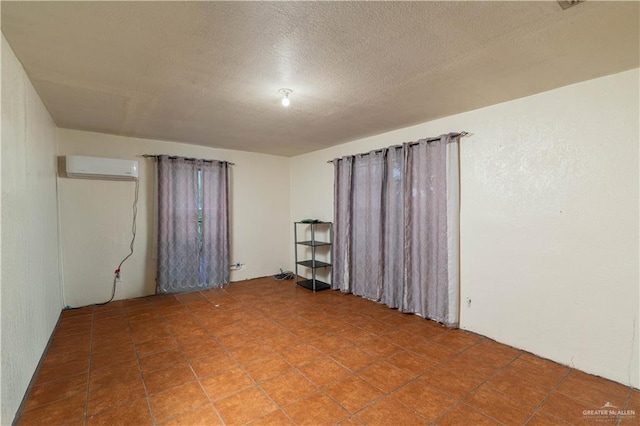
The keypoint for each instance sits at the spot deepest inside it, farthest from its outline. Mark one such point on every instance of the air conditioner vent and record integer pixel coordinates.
(566, 4)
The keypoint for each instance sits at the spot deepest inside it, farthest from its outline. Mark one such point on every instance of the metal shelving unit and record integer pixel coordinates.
(313, 264)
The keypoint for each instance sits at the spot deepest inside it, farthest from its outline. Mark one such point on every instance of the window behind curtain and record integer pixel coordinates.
(396, 227)
(193, 240)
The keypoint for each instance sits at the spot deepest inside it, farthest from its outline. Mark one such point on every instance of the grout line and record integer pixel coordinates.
(144, 384)
(85, 416)
(541, 403)
(293, 311)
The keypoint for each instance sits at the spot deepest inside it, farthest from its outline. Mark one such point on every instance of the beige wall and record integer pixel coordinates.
(31, 290)
(549, 220)
(96, 216)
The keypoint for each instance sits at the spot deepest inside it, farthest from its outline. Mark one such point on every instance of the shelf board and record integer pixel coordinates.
(314, 265)
(320, 285)
(313, 243)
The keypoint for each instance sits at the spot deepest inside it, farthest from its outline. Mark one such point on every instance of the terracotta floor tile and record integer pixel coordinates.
(159, 360)
(543, 419)
(288, 388)
(203, 416)
(156, 345)
(388, 411)
(188, 335)
(324, 371)
(68, 313)
(65, 354)
(491, 353)
(351, 421)
(634, 401)
(410, 362)
(133, 413)
(451, 382)
(593, 390)
(456, 339)
(73, 327)
(354, 358)
(498, 406)
(432, 350)
(56, 390)
(276, 418)
(71, 343)
(281, 341)
(330, 344)
(403, 338)
(223, 384)
(267, 368)
(426, 400)
(102, 397)
(514, 386)
(119, 322)
(384, 376)
(198, 348)
(212, 364)
(145, 334)
(109, 342)
(58, 412)
(123, 372)
(289, 341)
(566, 408)
(462, 414)
(309, 332)
(242, 407)
(161, 380)
(177, 400)
(375, 327)
(316, 409)
(249, 352)
(379, 347)
(108, 359)
(355, 335)
(301, 354)
(468, 366)
(539, 370)
(62, 370)
(353, 393)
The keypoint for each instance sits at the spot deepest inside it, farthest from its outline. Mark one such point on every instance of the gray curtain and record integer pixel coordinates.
(215, 258)
(397, 227)
(193, 243)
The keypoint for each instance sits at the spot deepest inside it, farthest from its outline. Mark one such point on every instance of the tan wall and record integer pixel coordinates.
(549, 220)
(31, 289)
(96, 216)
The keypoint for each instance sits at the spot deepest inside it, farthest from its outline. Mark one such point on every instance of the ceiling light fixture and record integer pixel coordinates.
(285, 96)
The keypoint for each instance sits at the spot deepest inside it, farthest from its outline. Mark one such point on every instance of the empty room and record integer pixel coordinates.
(320, 213)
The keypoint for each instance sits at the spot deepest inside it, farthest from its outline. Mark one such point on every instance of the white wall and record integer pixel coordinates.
(549, 220)
(96, 216)
(31, 289)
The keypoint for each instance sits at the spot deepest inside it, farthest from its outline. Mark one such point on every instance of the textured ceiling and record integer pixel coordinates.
(208, 73)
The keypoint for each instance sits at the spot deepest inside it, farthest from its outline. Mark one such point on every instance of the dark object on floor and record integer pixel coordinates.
(283, 275)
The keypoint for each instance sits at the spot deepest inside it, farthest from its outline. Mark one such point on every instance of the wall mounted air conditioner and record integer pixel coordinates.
(101, 168)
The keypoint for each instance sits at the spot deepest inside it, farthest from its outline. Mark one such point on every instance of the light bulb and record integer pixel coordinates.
(285, 96)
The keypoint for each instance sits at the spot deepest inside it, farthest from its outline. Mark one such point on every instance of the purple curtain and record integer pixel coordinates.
(215, 258)
(193, 242)
(396, 227)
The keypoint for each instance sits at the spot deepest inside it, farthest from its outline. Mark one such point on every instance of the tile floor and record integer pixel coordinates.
(263, 352)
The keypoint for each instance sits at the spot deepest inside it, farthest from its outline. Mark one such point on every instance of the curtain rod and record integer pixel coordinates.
(173, 157)
(461, 134)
